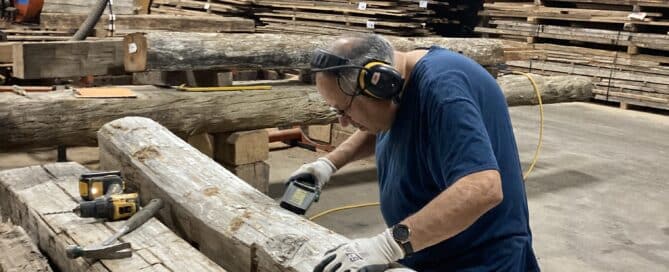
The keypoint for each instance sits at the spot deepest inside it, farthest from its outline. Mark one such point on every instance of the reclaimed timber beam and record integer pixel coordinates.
(6, 52)
(58, 118)
(35, 60)
(27, 193)
(19, 253)
(152, 22)
(232, 223)
(204, 51)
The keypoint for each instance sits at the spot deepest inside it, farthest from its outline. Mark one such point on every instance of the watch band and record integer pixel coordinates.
(406, 246)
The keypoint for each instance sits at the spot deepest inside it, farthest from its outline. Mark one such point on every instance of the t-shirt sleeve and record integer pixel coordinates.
(459, 140)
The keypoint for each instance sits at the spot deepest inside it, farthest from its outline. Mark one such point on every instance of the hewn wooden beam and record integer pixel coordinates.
(35, 60)
(204, 51)
(232, 223)
(19, 253)
(6, 52)
(26, 194)
(58, 118)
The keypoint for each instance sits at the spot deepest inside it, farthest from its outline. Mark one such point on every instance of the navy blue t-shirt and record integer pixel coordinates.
(453, 121)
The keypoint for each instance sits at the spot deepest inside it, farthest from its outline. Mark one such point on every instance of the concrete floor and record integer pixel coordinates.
(598, 197)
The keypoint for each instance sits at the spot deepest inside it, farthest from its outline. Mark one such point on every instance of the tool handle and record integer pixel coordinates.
(144, 214)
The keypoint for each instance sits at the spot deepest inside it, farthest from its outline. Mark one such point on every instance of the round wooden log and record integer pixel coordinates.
(58, 118)
(232, 223)
(553, 89)
(172, 51)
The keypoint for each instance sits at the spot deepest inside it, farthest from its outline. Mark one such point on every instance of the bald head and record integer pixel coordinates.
(360, 48)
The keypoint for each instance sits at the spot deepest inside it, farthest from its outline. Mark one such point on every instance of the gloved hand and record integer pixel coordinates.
(373, 254)
(322, 169)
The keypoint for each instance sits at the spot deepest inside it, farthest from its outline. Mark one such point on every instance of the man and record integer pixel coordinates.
(451, 187)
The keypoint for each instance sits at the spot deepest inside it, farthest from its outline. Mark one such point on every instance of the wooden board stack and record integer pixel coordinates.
(32, 33)
(403, 18)
(622, 45)
(202, 7)
(407, 18)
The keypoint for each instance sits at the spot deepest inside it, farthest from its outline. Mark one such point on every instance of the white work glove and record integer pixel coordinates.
(322, 169)
(375, 254)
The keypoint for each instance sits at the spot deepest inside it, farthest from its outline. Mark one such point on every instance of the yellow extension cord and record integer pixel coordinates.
(527, 173)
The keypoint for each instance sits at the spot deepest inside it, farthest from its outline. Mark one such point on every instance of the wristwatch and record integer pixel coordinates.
(401, 235)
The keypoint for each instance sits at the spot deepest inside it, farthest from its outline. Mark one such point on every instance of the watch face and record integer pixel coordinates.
(401, 233)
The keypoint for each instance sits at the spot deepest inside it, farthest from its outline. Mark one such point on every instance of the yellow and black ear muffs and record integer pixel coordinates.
(380, 80)
(376, 79)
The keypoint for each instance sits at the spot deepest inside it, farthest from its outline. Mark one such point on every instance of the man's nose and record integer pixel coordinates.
(343, 121)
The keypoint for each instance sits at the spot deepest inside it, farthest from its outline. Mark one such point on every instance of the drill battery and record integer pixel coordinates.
(97, 184)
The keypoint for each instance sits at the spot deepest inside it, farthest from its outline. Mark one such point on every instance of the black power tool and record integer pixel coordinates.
(301, 191)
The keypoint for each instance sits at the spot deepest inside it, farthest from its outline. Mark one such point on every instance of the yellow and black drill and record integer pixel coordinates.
(110, 207)
(103, 197)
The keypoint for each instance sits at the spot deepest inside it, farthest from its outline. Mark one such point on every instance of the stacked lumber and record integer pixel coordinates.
(202, 7)
(622, 45)
(404, 18)
(620, 77)
(333, 17)
(124, 24)
(33, 33)
(85, 6)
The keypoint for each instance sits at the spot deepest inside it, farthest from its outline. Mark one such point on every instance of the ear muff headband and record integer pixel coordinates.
(376, 79)
(362, 77)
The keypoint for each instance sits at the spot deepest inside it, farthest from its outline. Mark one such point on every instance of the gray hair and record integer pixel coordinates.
(361, 48)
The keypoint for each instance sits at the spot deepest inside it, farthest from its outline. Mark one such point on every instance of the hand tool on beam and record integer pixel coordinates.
(107, 251)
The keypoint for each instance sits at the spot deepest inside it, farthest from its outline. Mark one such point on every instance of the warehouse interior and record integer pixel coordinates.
(200, 111)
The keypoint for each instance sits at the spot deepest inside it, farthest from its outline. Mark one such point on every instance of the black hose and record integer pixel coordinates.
(90, 22)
